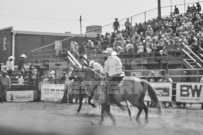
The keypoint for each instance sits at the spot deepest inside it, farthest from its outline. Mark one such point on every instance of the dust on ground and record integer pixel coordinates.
(61, 119)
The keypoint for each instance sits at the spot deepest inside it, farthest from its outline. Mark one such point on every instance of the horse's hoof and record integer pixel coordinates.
(138, 122)
(92, 123)
(78, 111)
(146, 121)
(100, 124)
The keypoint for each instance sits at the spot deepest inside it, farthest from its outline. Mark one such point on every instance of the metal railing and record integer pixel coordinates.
(177, 75)
(153, 13)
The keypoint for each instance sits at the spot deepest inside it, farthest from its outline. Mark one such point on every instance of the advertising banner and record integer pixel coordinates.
(163, 91)
(52, 92)
(189, 92)
(20, 96)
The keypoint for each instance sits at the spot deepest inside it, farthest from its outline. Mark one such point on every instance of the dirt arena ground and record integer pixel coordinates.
(61, 119)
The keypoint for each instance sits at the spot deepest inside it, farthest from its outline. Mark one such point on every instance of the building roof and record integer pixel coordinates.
(52, 34)
(7, 28)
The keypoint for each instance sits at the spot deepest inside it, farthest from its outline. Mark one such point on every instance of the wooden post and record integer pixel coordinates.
(159, 9)
(145, 16)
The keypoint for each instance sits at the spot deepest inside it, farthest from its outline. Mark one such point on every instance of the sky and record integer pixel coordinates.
(62, 16)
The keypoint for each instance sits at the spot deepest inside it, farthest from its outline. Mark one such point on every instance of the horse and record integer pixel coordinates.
(72, 91)
(81, 94)
(135, 95)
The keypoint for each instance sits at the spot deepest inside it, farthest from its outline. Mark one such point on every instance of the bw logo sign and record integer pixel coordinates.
(189, 92)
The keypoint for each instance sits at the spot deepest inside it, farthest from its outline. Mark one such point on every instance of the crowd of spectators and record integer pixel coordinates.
(158, 36)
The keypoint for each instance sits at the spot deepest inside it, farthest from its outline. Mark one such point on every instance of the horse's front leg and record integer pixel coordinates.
(103, 109)
(138, 115)
(80, 102)
(108, 110)
(89, 102)
(81, 96)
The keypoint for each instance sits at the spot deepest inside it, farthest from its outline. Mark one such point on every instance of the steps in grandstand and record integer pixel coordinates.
(191, 59)
(200, 54)
(45, 61)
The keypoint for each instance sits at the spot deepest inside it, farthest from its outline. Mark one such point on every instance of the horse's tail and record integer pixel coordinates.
(152, 94)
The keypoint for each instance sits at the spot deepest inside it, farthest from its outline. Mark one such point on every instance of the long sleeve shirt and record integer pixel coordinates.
(5, 81)
(97, 67)
(113, 66)
(10, 65)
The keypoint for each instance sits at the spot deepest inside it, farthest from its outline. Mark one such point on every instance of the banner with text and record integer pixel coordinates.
(189, 92)
(163, 91)
(52, 92)
(20, 96)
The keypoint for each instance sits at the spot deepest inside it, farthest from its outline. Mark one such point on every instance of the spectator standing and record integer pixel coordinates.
(168, 79)
(116, 25)
(52, 77)
(10, 65)
(201, 79)
(198, 7)
(21, 64)
(185, 77)
(20, 80)
(176, 10)
(68, 86)
(5, 83)
(152, 77)
(128, 26)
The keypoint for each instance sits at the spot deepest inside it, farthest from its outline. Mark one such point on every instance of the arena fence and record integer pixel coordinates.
(172, 93)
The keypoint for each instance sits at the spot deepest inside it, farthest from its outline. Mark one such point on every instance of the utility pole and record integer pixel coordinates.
(171, 6)
(159, 9)
(80, 24)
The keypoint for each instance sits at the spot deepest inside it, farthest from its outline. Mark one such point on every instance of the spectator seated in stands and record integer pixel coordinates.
(149, 32)
(165, 34)
(119, 40)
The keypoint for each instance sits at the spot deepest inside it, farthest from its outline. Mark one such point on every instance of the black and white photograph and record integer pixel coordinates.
(101, 67)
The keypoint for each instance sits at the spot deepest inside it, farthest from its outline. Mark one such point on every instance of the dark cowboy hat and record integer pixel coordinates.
(116, 18)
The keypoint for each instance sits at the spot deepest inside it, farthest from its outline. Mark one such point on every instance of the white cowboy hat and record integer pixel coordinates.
(52, 72)
(11, 57)
(110, 51)
(23, 56)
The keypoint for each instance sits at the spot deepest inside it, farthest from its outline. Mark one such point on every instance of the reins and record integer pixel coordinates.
(94, 88)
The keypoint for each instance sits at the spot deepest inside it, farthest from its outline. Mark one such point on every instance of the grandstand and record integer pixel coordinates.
(168, 45)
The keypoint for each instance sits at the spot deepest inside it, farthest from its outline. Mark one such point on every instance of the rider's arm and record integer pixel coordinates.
(106, 67)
